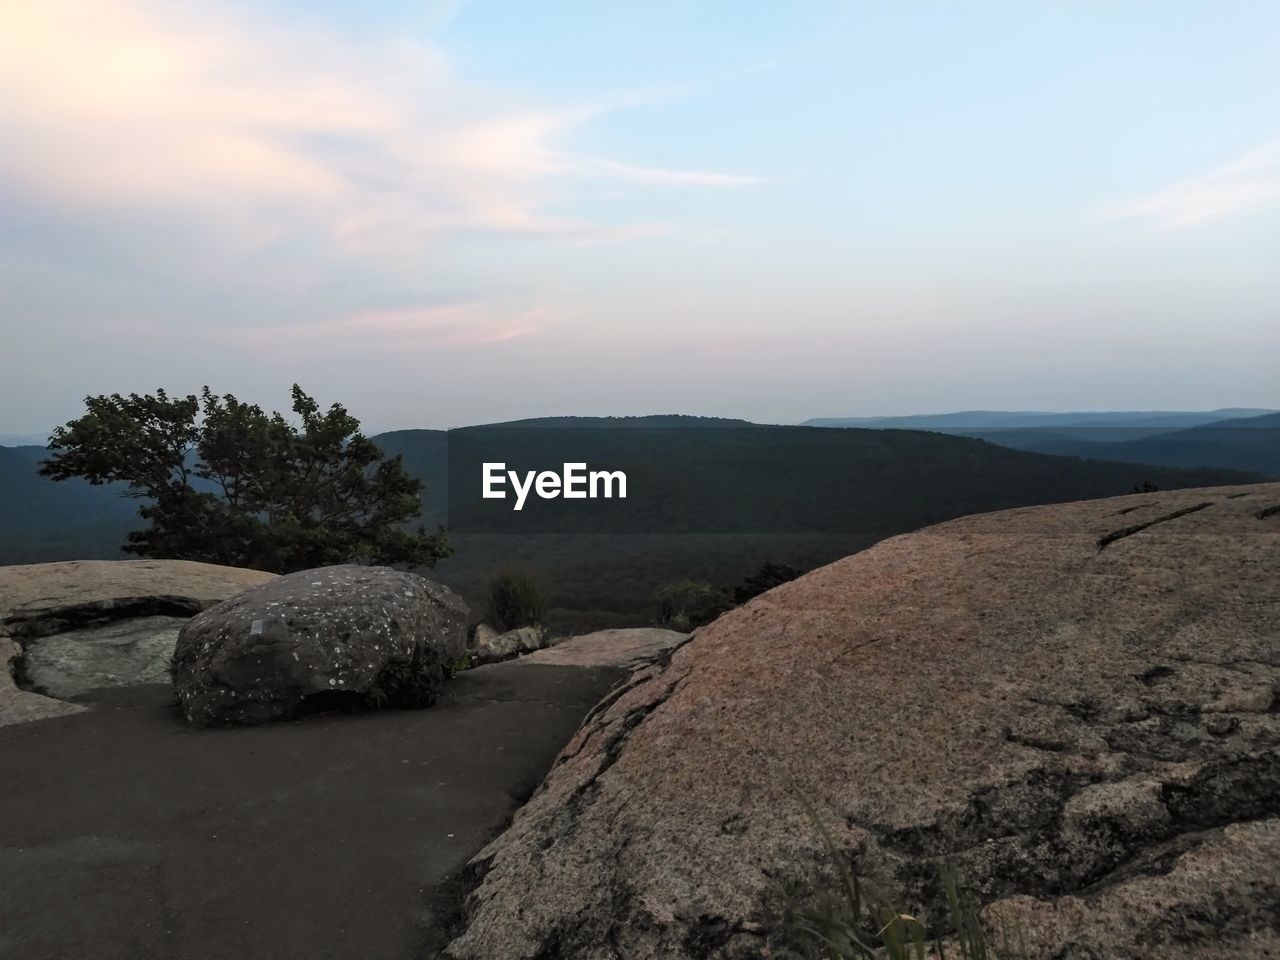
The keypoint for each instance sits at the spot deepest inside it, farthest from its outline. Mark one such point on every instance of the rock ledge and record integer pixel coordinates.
(1078, 705)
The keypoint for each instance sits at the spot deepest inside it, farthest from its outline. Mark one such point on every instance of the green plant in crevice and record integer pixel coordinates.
(844, 920)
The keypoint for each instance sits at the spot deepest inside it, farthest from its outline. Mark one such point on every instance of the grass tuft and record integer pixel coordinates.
(848, 920)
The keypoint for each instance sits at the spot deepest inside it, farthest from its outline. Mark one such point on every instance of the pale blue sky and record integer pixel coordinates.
(448, 213)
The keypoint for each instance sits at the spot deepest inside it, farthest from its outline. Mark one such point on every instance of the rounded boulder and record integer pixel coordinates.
(332, 636)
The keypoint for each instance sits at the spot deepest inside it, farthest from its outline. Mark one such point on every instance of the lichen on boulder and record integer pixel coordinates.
(341, 635)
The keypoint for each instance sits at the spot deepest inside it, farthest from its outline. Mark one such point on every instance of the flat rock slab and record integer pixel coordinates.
(45, 586)
(78, 613)
(125, 834)
(132, 651)
(23, 706)
(610, 648)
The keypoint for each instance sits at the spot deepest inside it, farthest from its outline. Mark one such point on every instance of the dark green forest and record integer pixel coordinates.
(799, 496)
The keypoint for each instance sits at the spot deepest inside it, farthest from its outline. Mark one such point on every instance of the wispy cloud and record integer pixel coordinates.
(407, 328)
(1249, 181)
(432, 325)
(140, 107)
(701, 178)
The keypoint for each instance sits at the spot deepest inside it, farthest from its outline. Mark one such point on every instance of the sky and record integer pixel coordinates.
(445, 213)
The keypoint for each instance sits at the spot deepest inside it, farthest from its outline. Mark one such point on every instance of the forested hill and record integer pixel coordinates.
(42, 520)
(796, 495)
(883, 480)
(802, 496)
(608, 423)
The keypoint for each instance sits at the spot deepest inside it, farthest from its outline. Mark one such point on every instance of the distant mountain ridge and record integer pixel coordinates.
(23, 439)
(629, 422)
(1009, 419)
(1249, 442)
(1246, 443)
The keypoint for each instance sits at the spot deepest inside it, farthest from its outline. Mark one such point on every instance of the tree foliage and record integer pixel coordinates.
(225, 482)
(766, 578)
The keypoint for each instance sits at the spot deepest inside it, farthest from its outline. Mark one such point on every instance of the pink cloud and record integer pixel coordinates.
(401, 328)
(267, 129)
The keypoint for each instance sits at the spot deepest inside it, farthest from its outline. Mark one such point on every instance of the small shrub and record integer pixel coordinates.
(690, 604)
(515, 601)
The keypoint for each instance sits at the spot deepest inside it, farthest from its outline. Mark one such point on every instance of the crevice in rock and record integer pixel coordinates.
(1215, 922)
(705, 935)
(1110, 538)
(1139, 506)
(1226, 791)
(1014, 839)
(1237, 664)
(18, 670)
(616, 693)
(1149, 678)
(615, 734)
(1047, 744)
(33, 624)
(612, 747)
(1027, 808)
(655, 667)
(1155, 860)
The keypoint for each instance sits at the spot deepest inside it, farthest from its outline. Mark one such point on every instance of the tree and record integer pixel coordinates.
(769, 576)
(224, 482)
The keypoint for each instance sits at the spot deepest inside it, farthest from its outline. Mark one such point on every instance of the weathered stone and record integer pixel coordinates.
(23, 706)
(1077, 705)
(610, 648)
(40, 599)
(493, 647)
(1220, 900)
(314, 637)
(93, 623)
(136, 650)
(484, 635)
